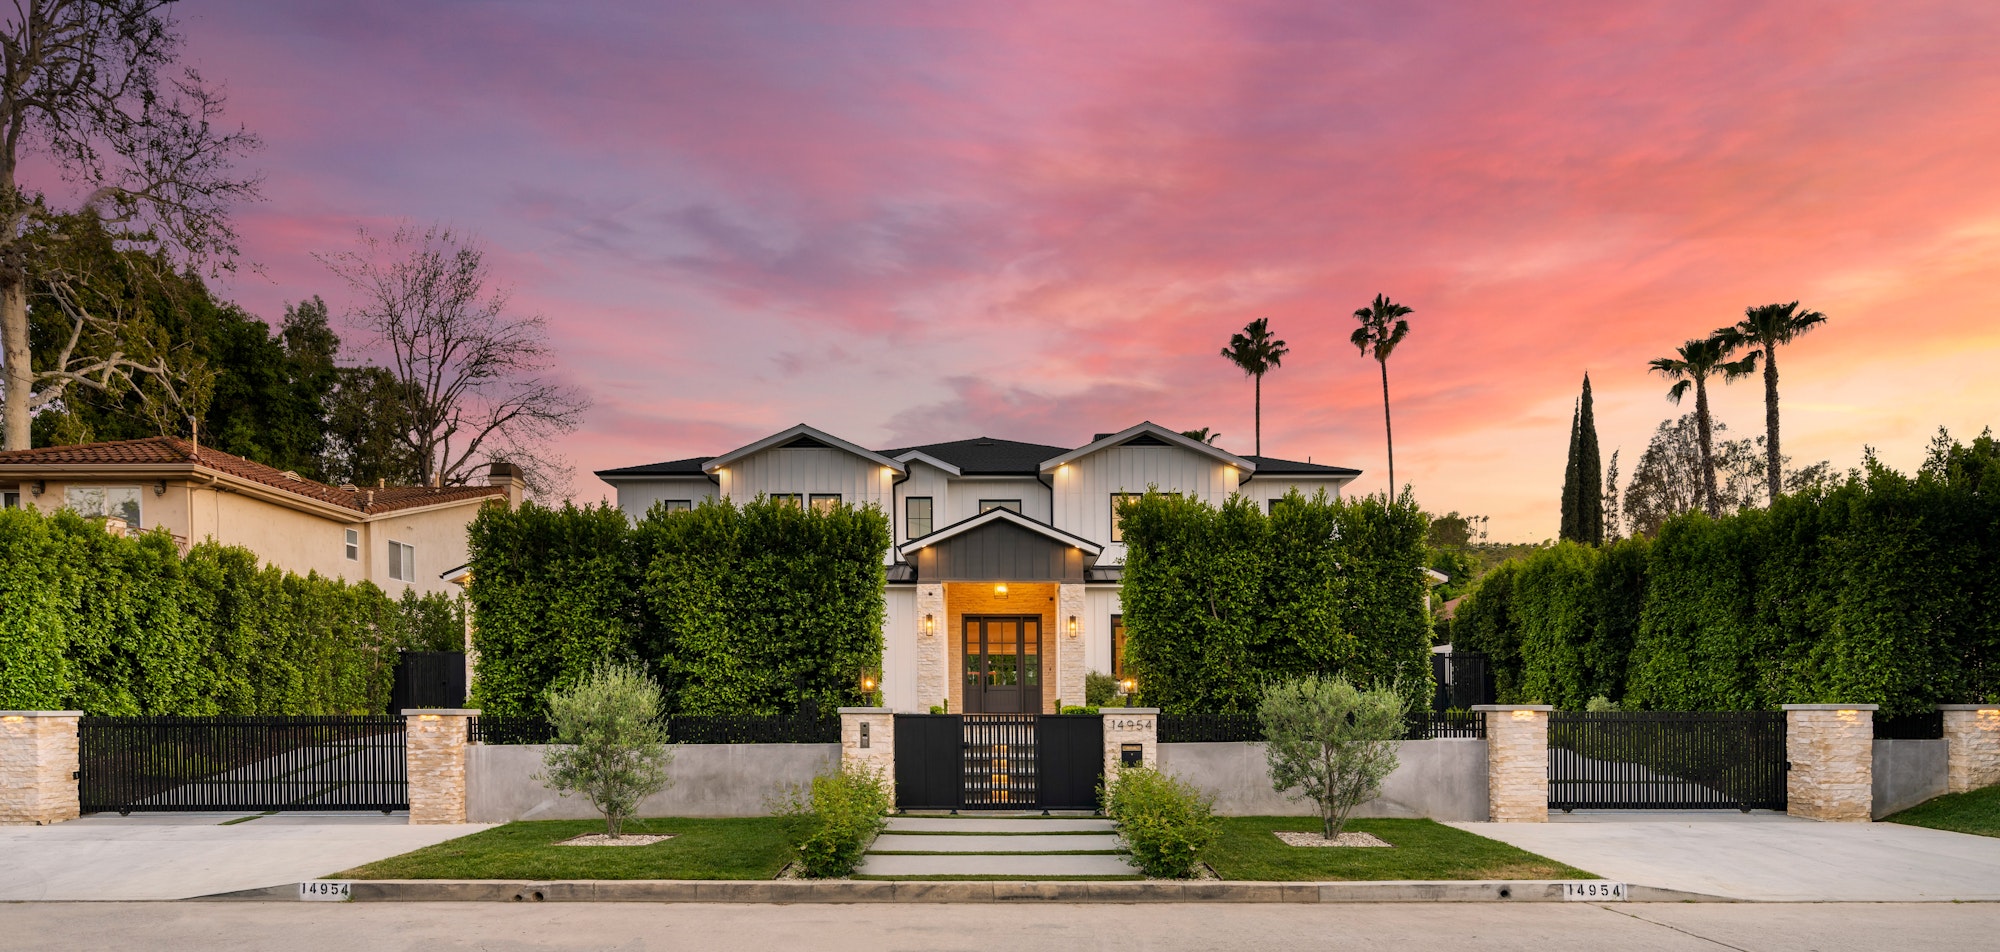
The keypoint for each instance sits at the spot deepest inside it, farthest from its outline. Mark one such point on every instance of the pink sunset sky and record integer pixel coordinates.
(912, 222)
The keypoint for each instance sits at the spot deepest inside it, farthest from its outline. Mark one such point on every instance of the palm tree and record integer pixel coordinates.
(1202, 435)
(1764, 328)
(1691, 366)
(1382, 328)
(1256, 352)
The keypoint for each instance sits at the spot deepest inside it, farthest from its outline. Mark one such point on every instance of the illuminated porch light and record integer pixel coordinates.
(1000, 590)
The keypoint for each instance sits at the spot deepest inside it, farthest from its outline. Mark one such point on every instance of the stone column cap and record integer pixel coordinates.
(41, 714)
(1831, 707)
(867, 710)
(442, 711)
(1109, 711)
(1968, 707)
(1513, 707)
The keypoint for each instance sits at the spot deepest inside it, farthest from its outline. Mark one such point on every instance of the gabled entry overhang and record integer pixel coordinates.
(1007, 516)
(1156, 431)
(796, 434)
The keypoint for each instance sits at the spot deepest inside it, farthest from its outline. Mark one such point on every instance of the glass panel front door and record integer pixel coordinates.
(1003, 665)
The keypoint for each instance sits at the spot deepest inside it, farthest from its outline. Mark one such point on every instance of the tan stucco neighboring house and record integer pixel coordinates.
(395, 536)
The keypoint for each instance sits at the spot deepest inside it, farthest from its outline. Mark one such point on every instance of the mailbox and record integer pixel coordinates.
(1131, 755)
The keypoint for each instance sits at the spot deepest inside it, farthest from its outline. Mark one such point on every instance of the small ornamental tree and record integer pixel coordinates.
(610, 745)
(1331, 742)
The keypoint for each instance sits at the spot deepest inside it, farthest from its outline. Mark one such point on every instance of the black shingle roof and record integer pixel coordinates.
(679, 467)
(1266, 466)
(984, 456)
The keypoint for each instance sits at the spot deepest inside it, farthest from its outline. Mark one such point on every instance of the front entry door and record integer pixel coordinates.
(1003, 664)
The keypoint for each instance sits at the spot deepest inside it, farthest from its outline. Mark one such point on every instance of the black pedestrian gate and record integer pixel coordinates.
(427, 679)
(241, 764)
(1667, 760)
(998, 761)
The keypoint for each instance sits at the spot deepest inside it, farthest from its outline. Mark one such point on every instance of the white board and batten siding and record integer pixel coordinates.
(1083, 488)
(967, 491)
(1100, 602)
(899, 647)
(1261, 489)
(637, 495)
(807, 471)
(925, 480)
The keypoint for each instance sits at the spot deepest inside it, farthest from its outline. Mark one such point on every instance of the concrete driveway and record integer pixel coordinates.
(183, 855)
(1765, 856)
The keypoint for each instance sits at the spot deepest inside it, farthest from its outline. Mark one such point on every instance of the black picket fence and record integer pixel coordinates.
(154, 764)
(1227, 728)
(729, 729)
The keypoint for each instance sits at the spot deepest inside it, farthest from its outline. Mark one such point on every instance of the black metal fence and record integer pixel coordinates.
(428, 679)
(1463, 679)
(1667, 760)
(1928, 725)
(730, 729)
(999, 761)
(153, 764)
(1226, 728)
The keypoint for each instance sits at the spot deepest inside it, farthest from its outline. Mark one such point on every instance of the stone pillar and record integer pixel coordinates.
(1832, 752)
(868, 739)
(1130, 725)
(1070, 665)
(1972, 746)
(1517, 762)
(933, 640)
(435, 753)
(38, 765)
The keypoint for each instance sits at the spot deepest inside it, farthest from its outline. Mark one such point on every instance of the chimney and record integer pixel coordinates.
(509, 475)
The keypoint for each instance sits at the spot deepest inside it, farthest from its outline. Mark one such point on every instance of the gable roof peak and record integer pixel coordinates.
(819, 439)
(1151, 434)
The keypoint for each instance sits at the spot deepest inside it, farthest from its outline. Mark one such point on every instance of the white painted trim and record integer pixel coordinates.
(922, 457)
(786, 436)
(1154, 429)
(1002, 515)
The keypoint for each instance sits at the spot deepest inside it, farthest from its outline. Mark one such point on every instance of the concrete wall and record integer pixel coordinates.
(708, 780)
(1907, 772)
(1440, 779)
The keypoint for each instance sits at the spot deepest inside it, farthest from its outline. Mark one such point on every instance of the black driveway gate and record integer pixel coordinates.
(241, 764)
(998, 761)
(1667, 760)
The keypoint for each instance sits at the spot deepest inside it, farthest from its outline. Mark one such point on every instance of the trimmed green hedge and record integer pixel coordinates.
(127, 625)
(1876, 591)
(1219, 601)
(747, 609)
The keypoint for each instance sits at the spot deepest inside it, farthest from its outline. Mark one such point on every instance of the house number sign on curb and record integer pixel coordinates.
(323, 892)
(1598, 891)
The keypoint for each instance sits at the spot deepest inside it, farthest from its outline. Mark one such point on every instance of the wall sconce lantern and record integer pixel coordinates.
(1524, 715)
(1000, 590)
(1072, 626)
(159, 487)
(867, 683)
(930, 625)
(1128, 686)
(38, 487)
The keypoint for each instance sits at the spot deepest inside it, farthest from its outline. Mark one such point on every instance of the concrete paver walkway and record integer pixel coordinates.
(1765, 856)
(976, 843)
(1024, 847)
(997, 824)
(183, 855)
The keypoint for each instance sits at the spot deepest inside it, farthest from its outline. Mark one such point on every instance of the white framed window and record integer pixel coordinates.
(402, 562)
(353, 545)
(1117, 527)
(824, 502)
(676, 505)
(917, 517)
(105, 502)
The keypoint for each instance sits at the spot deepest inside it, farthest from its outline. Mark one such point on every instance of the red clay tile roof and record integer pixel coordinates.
(167, 450)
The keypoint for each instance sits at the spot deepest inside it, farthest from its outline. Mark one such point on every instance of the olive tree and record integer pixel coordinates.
(1330, 742)
(610, 745)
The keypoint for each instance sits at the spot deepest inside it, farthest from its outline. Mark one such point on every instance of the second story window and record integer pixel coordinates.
(676, 505)
(1117, 499)
(118, 503)
(794, 500)
(402, 562)
(916, 516)
(1011, 505)
(10, 500)
(825, 502)
(353, 545)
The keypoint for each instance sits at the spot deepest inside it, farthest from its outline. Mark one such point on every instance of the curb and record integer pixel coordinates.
(860, 891)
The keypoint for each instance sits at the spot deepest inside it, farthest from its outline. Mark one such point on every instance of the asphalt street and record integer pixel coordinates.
(1545, 927)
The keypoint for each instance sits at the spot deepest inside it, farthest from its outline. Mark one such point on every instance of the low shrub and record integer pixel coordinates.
(1165, 821)
(833, 823)
(1079, 709)
(610, 745)
(1099, 688)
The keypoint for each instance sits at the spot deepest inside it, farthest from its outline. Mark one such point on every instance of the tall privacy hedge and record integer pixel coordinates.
(1221, 600)
(1879, 590)
(127, 625)
(745, 609)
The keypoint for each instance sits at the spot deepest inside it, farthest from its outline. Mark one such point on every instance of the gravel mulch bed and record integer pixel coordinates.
(1350, 838)
(629, 839)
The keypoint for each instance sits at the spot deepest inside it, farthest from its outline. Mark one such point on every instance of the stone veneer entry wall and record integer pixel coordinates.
(1973, 731)
(38, 763)
(435, 754)
(1517, 762)
(1832, 752)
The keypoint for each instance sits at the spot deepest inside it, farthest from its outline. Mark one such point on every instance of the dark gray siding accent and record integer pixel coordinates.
(1000, 551)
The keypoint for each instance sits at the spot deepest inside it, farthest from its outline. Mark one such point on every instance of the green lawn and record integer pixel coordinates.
(1421, 849)
(1976, 811)
(750, 848)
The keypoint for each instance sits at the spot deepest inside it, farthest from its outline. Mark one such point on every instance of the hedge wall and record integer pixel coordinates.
(1219, 601)
(746, 609)
(126, 625)
(1875, 591)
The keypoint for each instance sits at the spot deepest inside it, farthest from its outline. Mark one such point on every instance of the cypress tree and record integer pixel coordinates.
(1583, 477)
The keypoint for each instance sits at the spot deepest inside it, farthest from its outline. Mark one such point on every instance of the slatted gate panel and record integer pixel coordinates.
(999, 761)
(929, 755)
(1667, 760)
(153, 764)
(1070, 749)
